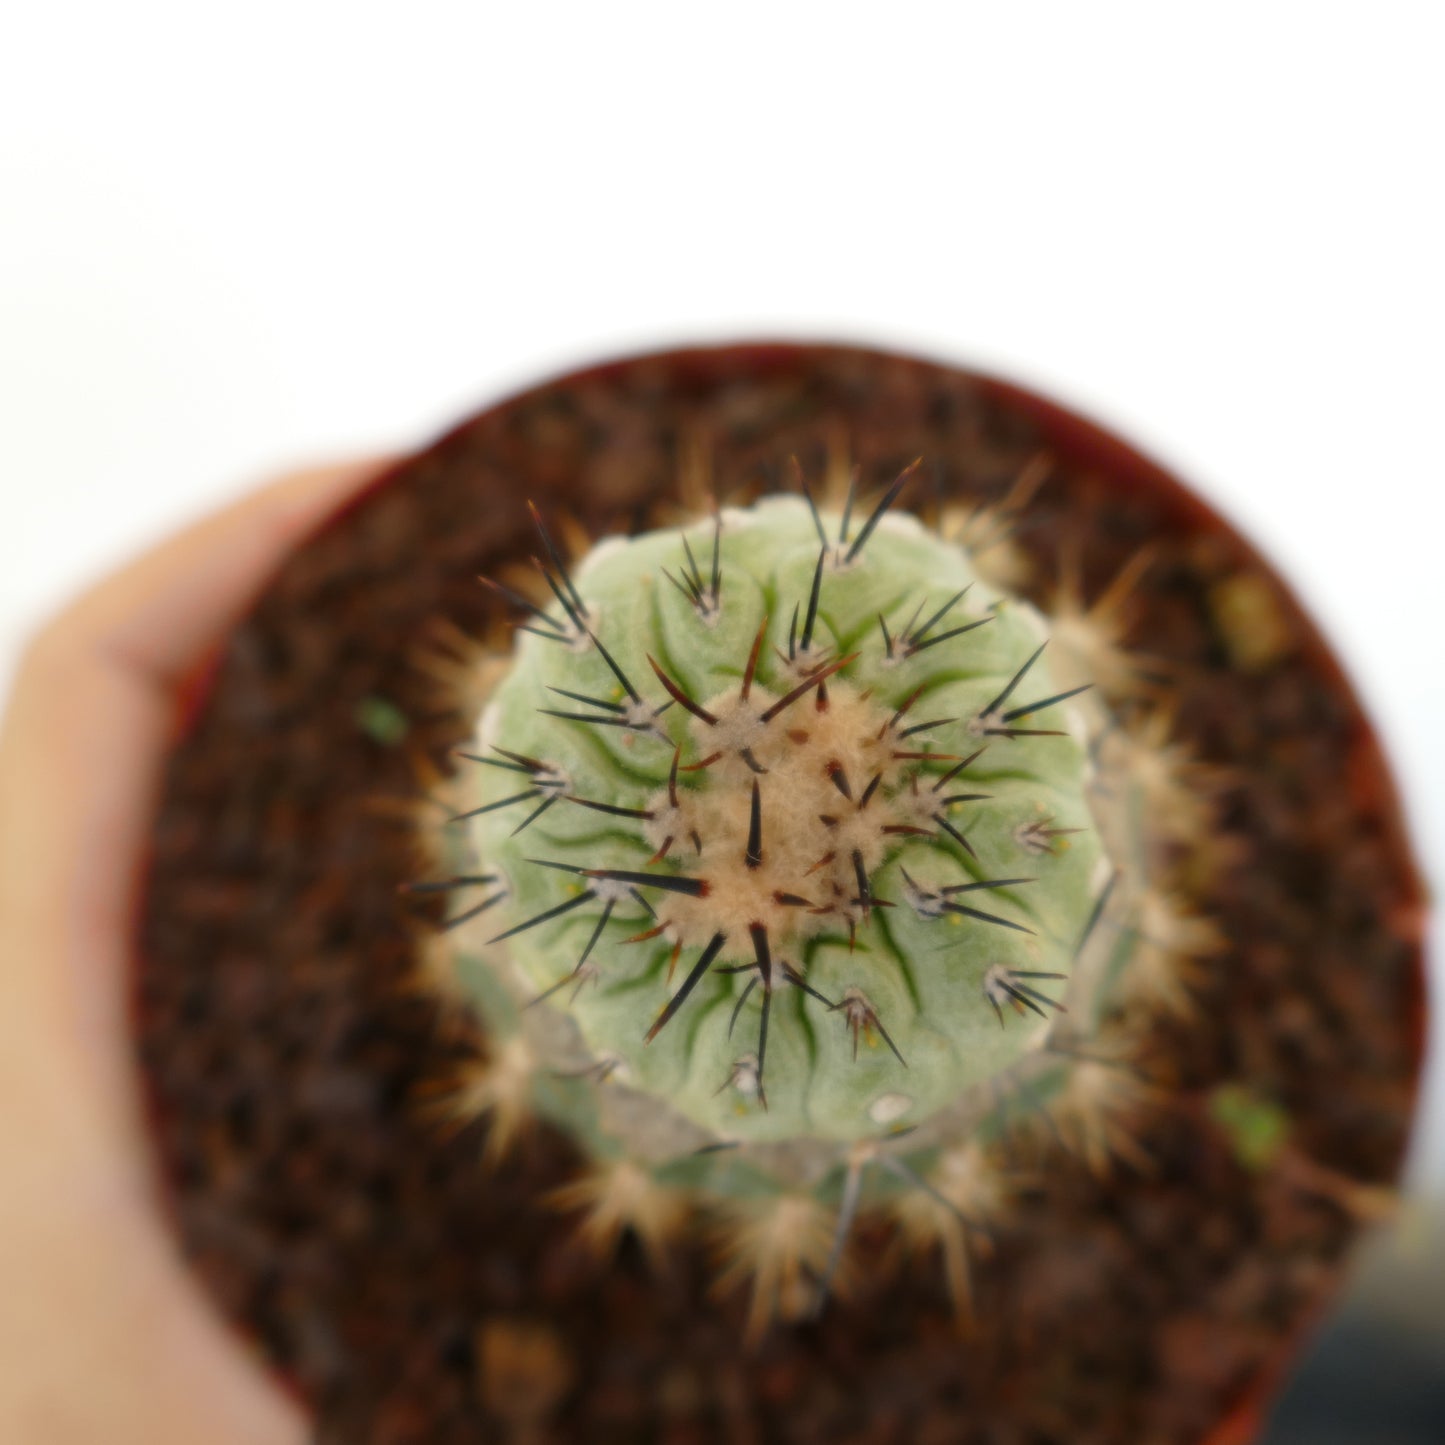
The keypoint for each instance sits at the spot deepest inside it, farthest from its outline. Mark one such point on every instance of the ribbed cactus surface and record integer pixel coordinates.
(798, 853)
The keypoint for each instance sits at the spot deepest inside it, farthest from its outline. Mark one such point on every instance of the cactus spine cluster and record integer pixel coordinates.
(805, 868)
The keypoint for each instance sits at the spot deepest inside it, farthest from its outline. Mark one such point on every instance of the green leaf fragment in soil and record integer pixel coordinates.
(382, 721)
(1256, 1128)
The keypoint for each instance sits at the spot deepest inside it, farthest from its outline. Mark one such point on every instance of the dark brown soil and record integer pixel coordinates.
(412, 1295)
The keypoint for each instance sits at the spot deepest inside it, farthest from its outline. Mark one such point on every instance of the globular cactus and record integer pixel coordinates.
(799, 872)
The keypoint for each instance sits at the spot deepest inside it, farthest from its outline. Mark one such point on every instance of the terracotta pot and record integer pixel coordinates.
(285, 1050)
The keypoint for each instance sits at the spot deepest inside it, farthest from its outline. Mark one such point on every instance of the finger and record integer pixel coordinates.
(81, 752)
(114, 1336)
(158, 617)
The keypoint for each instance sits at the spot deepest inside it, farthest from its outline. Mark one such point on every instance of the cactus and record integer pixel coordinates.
(800, 872)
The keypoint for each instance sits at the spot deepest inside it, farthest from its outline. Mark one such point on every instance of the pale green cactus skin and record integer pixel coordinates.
(943, 1043)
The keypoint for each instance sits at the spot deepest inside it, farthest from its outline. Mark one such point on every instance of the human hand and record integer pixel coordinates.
(103, 1333)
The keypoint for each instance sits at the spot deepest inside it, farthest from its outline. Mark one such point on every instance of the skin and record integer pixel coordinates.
(104, 1335)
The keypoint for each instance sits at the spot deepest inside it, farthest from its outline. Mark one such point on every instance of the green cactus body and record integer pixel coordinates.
(800, 857)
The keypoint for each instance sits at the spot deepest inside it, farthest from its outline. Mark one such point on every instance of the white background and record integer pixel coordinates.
(237, 238)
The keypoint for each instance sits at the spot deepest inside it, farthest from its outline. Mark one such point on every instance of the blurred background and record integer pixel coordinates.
(235, 240)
